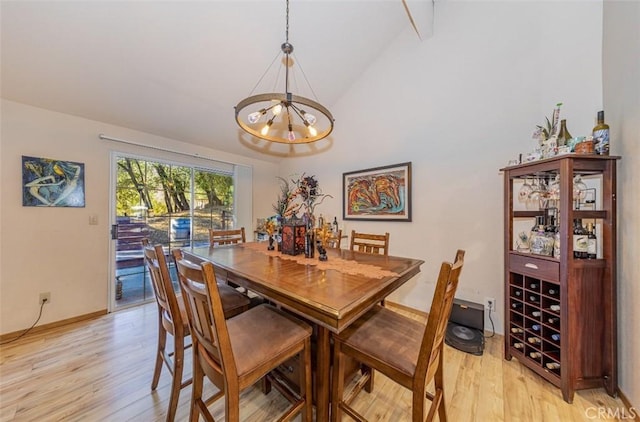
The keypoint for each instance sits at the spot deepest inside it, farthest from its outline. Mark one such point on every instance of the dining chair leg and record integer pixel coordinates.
(307, 414)
(338, 384)
(368, 387)
(438, 381)
(162, 341)
(265, 385)
(176, 384)
(232, 404)
(196, 390)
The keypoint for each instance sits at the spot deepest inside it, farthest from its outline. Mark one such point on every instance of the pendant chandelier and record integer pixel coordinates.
(284, 117)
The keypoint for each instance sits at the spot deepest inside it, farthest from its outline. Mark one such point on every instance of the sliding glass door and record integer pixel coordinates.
(170, 204)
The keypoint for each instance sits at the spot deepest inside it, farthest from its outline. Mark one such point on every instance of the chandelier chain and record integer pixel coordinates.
(287, 26)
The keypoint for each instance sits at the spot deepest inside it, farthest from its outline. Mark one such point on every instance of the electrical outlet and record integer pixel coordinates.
(45, 297)
(490, 304)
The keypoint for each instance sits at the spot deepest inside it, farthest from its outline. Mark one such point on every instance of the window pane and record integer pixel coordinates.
(213, 204)
(157, 201)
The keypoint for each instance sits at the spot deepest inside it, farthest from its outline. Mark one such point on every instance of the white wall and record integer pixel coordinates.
(459, 106)
(55, 249)
(621, 67)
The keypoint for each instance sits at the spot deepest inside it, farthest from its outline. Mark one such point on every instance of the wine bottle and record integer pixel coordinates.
(579, 240)
(552, 291)
(516, 305)
(533, 340)
(517, 330)
(334, 225)
(555, 308)
(517, 293)
(601, 135)
(533, 299)
(536, 355)
(553, 365)
(553, 320)
(533, 286)
(518, 345)
(320, 221)
(564, 136)
(309, 243)
(555, 337)
(556, 240)
(535, 327)
(592, 242)
(535, 313)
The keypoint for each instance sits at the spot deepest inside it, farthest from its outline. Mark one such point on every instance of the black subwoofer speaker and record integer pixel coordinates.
(465, 330)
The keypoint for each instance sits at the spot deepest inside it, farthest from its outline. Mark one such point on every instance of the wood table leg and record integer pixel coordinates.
(323, 375)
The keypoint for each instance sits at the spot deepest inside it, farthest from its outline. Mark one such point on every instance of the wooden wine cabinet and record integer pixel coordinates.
(560, 312)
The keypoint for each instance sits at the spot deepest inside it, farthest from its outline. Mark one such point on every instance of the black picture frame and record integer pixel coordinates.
(377, 194)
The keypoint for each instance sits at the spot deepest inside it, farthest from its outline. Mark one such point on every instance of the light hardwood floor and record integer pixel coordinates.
(100, 370)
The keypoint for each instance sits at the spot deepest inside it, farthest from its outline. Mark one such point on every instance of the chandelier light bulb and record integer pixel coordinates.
(255, 116)
(309, 118)
(266, 128)
(312, 130)
(291, 136)
(276, 109)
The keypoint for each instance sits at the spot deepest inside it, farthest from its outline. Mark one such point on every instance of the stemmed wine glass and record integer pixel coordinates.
(525, 191)
(539, 194)
(554, 192)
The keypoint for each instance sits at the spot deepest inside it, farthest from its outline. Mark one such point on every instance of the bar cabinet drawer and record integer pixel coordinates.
(535, 267)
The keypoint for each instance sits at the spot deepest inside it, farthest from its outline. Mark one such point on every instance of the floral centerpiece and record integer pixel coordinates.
(547, 135)
(285, 206)
(310, 196)
(295, 207)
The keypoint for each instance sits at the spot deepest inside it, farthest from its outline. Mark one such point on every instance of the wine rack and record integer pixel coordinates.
(560, 311)
(534, 323)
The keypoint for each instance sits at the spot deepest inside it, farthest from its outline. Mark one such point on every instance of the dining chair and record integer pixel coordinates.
(233, 302)
(172, 320)
(369, 243)
(336, 241)
(226, 237)
(406, 351)
(234, 354)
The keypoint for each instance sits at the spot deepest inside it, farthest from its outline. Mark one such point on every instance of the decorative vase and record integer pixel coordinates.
(270, 247)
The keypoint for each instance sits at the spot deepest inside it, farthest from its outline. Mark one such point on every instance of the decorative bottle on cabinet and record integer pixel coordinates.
(570, 359)
(601, 135)
(564, 136)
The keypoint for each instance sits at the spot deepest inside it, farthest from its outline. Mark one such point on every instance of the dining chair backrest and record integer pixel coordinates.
(206, 315)
(439, 313)
(226, 237)
(163, 288)
(336, 241)
(233, 302)
(369, 243)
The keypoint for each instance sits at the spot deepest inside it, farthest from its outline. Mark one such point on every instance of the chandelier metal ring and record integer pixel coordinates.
(293, 100)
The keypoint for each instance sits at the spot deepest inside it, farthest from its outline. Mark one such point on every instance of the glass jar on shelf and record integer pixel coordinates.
(541, 242)
(579, 192)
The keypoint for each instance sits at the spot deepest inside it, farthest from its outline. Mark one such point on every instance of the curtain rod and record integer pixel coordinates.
(124, 141)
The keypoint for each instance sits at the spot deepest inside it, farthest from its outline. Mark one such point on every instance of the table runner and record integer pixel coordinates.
(333, 263)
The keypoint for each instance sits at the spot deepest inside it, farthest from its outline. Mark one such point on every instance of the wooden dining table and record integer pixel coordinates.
(331, 294)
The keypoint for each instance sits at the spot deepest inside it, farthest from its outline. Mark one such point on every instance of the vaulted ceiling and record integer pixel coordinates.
(177, 68)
